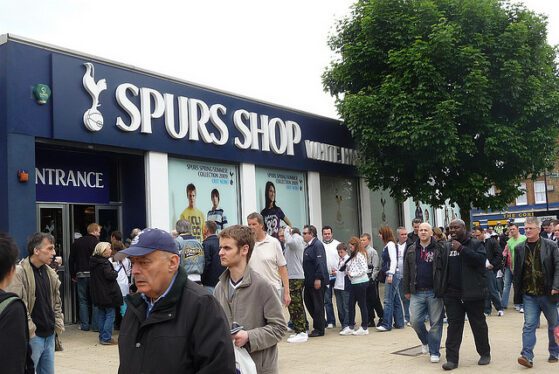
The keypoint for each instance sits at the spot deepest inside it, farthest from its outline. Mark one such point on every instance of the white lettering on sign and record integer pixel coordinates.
(71, 178)
(330, 153)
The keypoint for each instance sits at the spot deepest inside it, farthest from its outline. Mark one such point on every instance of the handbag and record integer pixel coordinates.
(243, 362)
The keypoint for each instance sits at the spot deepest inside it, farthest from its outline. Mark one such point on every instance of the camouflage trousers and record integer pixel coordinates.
(296, 308)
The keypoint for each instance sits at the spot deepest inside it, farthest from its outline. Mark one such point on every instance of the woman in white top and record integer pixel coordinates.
(356, 270)
(392, 303)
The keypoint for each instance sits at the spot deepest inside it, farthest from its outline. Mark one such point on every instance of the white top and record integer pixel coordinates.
(392, 253)
(356, 269)
(340, 275)
(331, 255)
(401, 249)
(267, 257)
(123, 268)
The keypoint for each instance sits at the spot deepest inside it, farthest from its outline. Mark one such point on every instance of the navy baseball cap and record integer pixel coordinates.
(149, 240)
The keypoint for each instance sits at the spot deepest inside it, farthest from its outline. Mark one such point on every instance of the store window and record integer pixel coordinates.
(340, 206)
(522, 199)
(281, 197)
(539, 192)
(201, 191)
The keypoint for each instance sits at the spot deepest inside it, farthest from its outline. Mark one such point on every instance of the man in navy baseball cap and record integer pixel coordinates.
(170, 314)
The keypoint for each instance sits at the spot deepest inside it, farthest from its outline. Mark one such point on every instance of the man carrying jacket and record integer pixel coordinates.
(420, 288)
(460, 277)
(316, 279)
(171, 325)
(536, 278)
(249, 300)
(37, 284)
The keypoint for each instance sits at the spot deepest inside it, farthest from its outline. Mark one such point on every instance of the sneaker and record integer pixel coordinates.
(517, 308)
(330, 326)
(500, 313)
(346, 331)
(408, 323)
(299, 338)
(424, 349)
(445, 320)
(289, 329)
(292, 336)
(521, 310)
(484, 360)
(83, 328)
(360, 332)
(110, 342)
(449, 365)
(382, 328)
(525, 362)
(552, 359)
(434, 359)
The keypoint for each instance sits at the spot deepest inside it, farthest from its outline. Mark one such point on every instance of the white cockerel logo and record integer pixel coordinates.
(92, 118)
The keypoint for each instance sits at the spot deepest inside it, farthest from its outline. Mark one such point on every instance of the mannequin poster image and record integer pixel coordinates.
(281, 197)
(202, 191)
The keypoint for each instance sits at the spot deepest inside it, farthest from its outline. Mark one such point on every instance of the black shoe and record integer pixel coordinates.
(484, 360)
(552, 359)
(372, 323)
(525, 362)
(315, 334)
(449, 365)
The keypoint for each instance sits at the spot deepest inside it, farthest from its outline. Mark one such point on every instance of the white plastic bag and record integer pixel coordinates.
(243, 361)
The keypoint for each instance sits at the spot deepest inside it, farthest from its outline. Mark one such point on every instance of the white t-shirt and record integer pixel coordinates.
(123, 269)
(401, 249)
(266, 259)
(331, 255)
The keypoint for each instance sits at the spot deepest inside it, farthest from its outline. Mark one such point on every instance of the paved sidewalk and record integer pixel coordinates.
(335, 354)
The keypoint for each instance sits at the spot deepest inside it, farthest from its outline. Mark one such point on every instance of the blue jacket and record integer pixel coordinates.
(212, 263)
(314, 263)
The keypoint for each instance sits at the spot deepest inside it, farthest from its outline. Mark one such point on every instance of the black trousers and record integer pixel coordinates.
(314, 301)
(456, 310)
(373, 301)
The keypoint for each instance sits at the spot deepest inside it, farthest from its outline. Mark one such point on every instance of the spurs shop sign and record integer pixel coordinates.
(193, 119)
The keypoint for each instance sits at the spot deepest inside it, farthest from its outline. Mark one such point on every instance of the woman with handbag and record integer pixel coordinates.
(390, 275)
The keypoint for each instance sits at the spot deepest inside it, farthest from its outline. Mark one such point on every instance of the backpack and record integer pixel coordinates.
(4, 304)
(191, 255)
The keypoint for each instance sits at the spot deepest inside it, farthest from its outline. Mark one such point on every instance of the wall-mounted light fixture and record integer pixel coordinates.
(22, 176)
(42, 93)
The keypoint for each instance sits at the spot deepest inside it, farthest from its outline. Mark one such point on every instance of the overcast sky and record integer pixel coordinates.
(273, 51)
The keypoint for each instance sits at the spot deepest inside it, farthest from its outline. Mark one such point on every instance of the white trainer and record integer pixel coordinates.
(381, 328)
(360, 332)
(346, 331)
(299, 338)
(330, 326)
(435, 359)
(500, 313)
(424, 349)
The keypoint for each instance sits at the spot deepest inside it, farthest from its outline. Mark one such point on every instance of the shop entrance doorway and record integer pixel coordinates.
(67, 222)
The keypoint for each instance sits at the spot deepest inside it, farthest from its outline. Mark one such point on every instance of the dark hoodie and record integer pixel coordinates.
(104, 287)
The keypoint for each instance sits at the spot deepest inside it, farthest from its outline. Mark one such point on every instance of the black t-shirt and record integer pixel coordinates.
(424, 264)
(42, 314)
(454, 272)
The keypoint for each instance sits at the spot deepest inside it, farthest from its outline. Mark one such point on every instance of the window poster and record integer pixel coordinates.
(203, 191)
(340, 206)
(281, 199)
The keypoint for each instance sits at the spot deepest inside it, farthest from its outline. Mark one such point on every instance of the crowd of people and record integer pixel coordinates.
(185, 305)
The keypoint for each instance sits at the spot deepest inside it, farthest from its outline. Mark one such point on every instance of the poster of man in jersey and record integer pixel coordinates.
(202, 191)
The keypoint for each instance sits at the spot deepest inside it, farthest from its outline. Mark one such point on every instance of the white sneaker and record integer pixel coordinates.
(517, 308)
(521, 310)
(435, 359)
(360, 332)
(330, 326)
(500, 313)
(346, 331)
(424, 349)
(292, 335)
(289, 329)
(299, 338)
(381, 328)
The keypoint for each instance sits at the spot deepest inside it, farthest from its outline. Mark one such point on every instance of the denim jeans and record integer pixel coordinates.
(422, 304)
(392, 304)
(84, 302)
(105, 322)
(405, 302)
(533, 306)
(328, 306)
(506, 288)
(42, 354)
(358, 294)
(342, 302)
(493, 293)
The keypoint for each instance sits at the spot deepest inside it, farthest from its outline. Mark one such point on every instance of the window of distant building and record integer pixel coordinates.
(522, 199)
(539, 192)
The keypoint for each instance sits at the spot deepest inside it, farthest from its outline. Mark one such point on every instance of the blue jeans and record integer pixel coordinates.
(328, 306)
(422, 304)
(42, 354)
(105, 322)
(393, 305)
(533, 306)
(506, 288)
(342, 302)
(358, 294)
(84, 302)
(405, 302)
(493, 292)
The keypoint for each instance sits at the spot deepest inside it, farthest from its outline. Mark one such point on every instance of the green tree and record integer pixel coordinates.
(447, 98)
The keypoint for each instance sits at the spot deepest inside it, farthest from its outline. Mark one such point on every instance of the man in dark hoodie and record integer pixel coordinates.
(212, 263)
(460, 276)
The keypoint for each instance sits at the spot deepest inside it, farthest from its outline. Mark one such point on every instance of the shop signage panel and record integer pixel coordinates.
(71, 177)
(103, 104)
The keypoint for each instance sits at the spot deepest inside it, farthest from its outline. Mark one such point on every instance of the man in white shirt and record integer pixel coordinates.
(331, 247)
(403, 243)
(267, 258)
